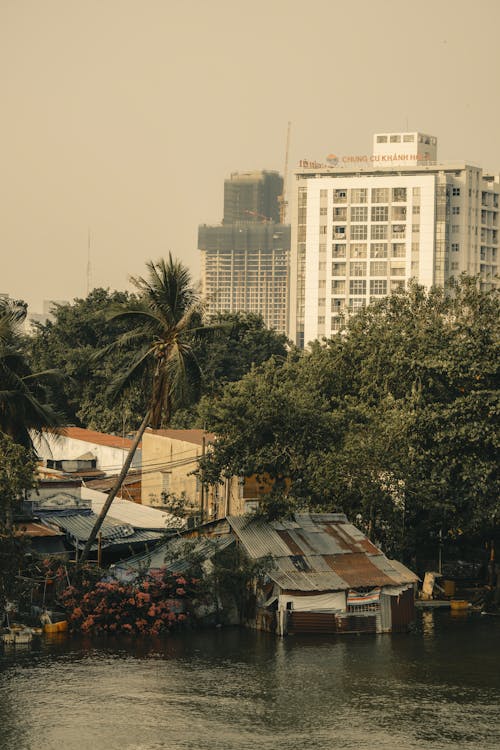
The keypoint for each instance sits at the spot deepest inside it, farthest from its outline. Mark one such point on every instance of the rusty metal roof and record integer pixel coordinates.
(318, 552)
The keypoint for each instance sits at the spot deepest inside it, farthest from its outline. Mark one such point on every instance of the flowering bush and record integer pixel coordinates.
(150, 606)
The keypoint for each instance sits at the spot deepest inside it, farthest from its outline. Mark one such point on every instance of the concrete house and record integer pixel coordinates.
(77, 448)
(169, 460)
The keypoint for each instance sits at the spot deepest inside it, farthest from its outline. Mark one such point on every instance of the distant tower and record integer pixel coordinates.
(245, 260)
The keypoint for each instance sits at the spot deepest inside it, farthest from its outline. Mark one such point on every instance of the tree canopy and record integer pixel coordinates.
(394, 421)
(24, 406)
(78, 342)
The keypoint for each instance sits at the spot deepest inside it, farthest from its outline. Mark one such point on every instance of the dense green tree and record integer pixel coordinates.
(70, 343)
(17, 477)
(395, 421)
(84, 329)
(24, 408)
(244, 342)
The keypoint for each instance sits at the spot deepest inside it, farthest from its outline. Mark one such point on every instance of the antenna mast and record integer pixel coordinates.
(282, 198)
(89, 267)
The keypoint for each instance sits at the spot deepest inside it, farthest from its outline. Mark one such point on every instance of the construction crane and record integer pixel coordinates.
(282, 198)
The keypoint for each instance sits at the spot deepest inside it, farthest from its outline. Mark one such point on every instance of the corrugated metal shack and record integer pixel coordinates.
(325, 576)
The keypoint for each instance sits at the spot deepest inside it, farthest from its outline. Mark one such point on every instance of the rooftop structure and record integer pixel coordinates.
(252, 197)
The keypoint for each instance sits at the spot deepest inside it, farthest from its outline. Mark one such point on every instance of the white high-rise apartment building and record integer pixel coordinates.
(362, 226)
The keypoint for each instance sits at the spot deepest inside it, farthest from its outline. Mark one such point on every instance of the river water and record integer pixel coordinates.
(438, 687)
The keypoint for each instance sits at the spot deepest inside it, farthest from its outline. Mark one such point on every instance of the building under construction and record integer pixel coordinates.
(245, 260)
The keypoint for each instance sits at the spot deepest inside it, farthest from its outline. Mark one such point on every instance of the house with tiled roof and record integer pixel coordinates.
(77, 446)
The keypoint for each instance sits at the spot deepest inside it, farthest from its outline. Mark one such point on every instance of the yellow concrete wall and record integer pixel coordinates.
(158, 453)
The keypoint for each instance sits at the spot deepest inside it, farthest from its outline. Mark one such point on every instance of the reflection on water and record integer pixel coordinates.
(438, 687)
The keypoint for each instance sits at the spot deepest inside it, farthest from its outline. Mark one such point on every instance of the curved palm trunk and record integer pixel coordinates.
(119, 481)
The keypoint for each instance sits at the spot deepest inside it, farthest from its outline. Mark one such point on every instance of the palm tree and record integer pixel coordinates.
(23, 411)
(168, 317)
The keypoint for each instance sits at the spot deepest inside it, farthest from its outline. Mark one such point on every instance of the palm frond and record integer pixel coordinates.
(123, 380)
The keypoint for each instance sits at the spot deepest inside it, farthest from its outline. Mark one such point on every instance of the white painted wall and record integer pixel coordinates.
(109, 460)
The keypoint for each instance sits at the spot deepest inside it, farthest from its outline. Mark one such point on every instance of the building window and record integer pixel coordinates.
(456, 191)
(339, 214)
(358, 250)
(398, 230)
(323, 211)
(322, 229)
(358, 195)
(356, 303)
(339, 231)
(337, 304)
(397, 270)
(359, 232)
(378, 286)
(455, 228)
(322, 248)
(378, 268)
(397, 286)
(357, 286)
(322, 284)
(380, 195)
(340, 196)
(398, 213)
(379, 231)
(338, 269)
(381, 139)
(415, 228)
(399, 195)
(337, 323)
(338, 250)
(454, 266)
(416, 210)
(380, 213)
(416, 193)
(378, 250)
(398, 250)
(408, 138)
(395, 139)
(357, 268)
(359, 213)
(338, 287)
(321, 320)
(455, 210)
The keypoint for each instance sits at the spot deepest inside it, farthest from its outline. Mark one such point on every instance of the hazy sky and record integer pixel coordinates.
(125, 116)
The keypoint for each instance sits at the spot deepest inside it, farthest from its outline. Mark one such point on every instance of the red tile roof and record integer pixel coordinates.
(99, 438)
(187, 436)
